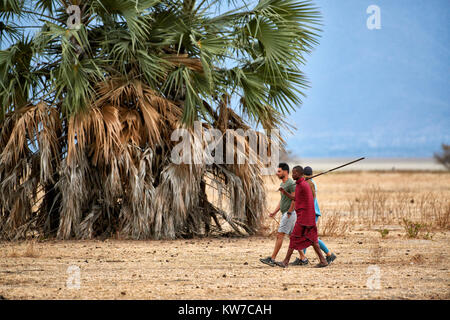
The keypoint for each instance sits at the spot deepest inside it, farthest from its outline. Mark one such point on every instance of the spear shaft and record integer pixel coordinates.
(336, 168)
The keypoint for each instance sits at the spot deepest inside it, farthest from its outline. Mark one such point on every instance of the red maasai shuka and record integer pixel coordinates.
(302, 237)
(305, 230)
(304, 203)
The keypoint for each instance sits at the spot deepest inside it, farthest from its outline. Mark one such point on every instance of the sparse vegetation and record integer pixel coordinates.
(376, 206)
(371, 206)
(383, 232)
(377, 253)
(31, 251)
(28, 251)
(416, 229)
(383, 203)
(412, 229)
(334, 224)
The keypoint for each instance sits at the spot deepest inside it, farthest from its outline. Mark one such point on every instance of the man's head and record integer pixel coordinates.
(283, 170)
(308, 172)
(297, 172)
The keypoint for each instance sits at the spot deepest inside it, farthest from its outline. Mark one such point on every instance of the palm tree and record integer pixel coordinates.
(88, 109)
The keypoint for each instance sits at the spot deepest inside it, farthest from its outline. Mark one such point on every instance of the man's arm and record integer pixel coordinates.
(313, 189)
(287, 194)
(276, 210)
(291, 208)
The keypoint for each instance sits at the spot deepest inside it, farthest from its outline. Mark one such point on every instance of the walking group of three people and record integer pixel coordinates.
(300, 213)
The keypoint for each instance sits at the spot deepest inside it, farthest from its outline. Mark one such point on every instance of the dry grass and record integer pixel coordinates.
(418, 258)
(374, 206)
(334, 224)
(377, 253)
(31, 251)
(378, 201)
(26, 249)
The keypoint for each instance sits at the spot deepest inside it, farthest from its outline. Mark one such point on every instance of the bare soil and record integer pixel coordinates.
(229, 268)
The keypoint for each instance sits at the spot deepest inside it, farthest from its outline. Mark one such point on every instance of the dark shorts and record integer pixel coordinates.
(302, 237)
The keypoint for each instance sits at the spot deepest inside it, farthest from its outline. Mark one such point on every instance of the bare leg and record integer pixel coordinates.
(302, 255)
(288, 257)
(278, 243)
(319, 253)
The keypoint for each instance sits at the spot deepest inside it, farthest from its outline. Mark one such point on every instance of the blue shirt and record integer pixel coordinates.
(316, 203)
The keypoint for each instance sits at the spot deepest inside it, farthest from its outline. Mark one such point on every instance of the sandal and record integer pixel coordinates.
(299, 262)
(280, 264)
(321, 265)
(269, 261)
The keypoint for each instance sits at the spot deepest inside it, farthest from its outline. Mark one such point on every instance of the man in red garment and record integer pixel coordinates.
(305, 229)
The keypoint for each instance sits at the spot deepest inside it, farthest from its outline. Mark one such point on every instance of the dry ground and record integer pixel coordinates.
(228, 268)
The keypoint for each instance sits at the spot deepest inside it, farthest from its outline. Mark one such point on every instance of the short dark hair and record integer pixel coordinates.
(299, 169)
(308, 171)
(284, 166)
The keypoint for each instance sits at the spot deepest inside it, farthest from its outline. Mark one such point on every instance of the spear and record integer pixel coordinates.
(336, 168)
(330, 171)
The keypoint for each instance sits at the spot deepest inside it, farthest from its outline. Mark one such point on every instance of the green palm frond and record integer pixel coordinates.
(10, 7)
(16, 75)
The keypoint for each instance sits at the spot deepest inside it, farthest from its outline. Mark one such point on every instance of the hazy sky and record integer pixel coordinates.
(377, 93)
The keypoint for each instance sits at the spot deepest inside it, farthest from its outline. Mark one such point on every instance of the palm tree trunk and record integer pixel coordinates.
(51, 206)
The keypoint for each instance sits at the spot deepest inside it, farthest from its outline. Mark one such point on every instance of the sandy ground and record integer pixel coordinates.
(229, 268)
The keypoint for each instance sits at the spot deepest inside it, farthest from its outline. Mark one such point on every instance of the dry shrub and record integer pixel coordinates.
(333, 223)
(440, 214)
(417, 229)
(376, 201)
(376, 206)
(433, 210)
(269, 227)
(30, 251)
(418, 259)
(377, 254)
(371, 206)
(403, 204)
(12, 253)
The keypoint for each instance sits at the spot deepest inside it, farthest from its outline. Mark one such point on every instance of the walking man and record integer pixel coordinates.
(304, 233)
(308, 173)
(288, 216)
